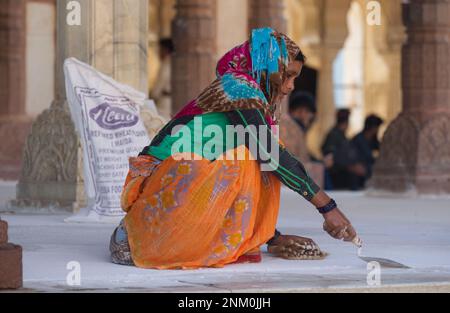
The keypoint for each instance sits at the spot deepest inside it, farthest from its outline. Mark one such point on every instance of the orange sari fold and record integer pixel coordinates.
(187, 213)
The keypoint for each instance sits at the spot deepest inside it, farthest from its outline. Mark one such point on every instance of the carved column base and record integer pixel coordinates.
(13, 134)
(415, 156)
(51, 176)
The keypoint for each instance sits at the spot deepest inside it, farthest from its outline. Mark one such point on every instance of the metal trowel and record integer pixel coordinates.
(383, 262)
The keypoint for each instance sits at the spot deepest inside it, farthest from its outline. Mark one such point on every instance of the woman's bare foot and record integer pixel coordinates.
(295, 248)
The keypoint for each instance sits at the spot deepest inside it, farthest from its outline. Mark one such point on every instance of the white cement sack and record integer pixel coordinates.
(107, 117)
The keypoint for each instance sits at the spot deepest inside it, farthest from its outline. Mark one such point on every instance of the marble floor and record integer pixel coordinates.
(413, 231)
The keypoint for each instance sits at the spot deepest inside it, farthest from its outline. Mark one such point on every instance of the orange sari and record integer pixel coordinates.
(188, 214)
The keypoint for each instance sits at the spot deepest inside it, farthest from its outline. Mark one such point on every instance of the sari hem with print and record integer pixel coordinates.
(187, 212)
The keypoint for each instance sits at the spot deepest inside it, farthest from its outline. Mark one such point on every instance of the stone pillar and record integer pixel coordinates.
(383, 96)
(333, 36)
(14, 124)
(395, 38)
(112, 37)
(10, 261)
(415, 152)
(267, 13)
(193, 63)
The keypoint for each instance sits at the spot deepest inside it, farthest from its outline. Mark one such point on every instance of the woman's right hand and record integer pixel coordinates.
(338, 226)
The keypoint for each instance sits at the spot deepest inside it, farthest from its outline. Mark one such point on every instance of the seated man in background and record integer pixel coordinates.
(294, 128)
(346, 170)
(336, 137)
(366, 144)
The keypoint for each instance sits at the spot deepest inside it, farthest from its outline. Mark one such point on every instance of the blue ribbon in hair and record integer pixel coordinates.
(266, 53)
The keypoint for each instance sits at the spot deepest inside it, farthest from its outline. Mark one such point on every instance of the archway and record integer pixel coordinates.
(348, 69)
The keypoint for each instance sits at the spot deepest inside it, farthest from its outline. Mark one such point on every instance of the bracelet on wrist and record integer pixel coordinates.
(328, 208)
